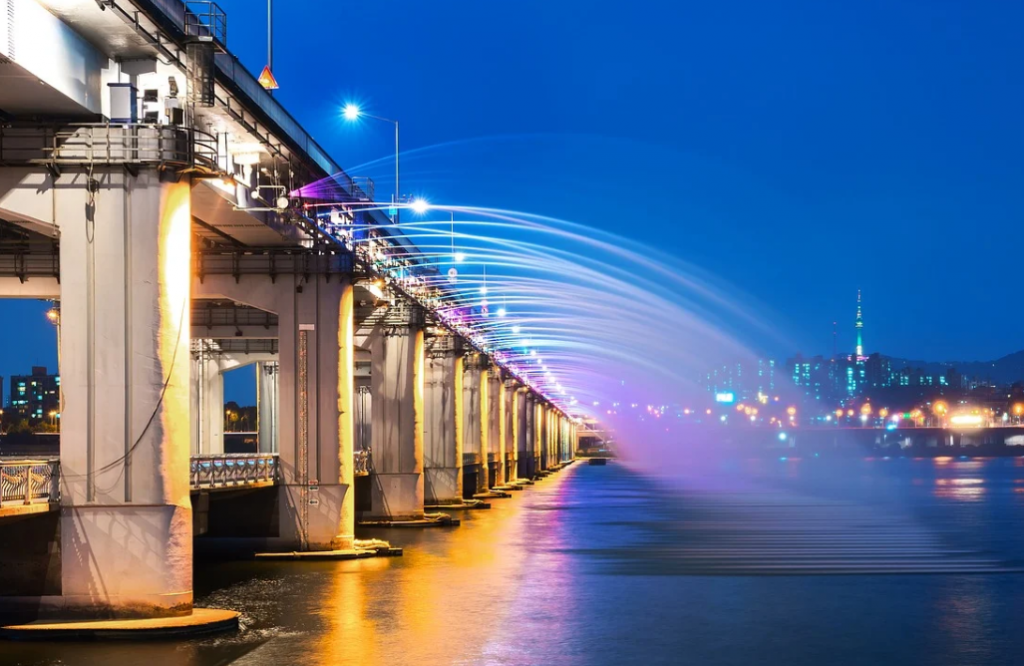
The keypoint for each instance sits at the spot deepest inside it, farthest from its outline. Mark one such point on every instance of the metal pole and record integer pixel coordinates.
(397, 188)
(270, 38)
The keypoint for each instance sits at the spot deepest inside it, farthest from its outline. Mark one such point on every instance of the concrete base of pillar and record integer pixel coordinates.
(474, 479)
(461, 505)
(350, 554)
(394, 497)
(199, 621)
(492, 494)
(441, 485)
(319, 511)
(528, 466)
(431, 520)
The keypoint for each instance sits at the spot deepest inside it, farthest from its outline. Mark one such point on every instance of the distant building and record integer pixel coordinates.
(34, 396)
(745, 380)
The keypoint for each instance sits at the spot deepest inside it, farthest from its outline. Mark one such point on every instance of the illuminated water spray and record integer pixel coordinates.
(604, 326)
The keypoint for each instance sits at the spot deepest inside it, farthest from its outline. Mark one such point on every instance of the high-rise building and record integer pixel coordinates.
(859, 328)
(744, 379)
(813, 375)
(34, 396)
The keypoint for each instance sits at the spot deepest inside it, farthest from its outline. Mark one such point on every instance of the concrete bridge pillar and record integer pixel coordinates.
(396, 381)
(564, 434)
(527, 436)
(125, 259)
(556, 437)
(207, 405)
(495, 428)
(442, 430)
(314, 395)
(543, 428)
(315, 424)
(476, 426)
(267, 415)
(510, 429)
(540, 434)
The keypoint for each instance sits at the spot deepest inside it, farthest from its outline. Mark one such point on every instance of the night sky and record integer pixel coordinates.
(797, 150)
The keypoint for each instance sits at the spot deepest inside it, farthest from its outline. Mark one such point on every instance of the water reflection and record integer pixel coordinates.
(600, 566)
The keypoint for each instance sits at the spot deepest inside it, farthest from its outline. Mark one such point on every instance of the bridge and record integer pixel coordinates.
(146, 184)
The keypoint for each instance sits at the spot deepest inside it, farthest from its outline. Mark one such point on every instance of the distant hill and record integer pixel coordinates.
(1005, 370)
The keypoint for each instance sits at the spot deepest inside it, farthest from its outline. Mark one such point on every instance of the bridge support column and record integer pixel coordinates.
(208, 380)
(510, 429)
(545, 431)
(315, 403)
(125, 262)
(267, 385)
(475, 427)
(314, 396)
(525, 436)
(555, 439)
(442, 454)
(538, 435)
(563, 433)
(396, 379)
(495, 428)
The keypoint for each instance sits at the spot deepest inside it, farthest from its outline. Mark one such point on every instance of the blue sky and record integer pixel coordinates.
(797, 150)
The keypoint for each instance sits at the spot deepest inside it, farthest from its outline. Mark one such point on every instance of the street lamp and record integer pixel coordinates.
(352, 112)
(53, 316)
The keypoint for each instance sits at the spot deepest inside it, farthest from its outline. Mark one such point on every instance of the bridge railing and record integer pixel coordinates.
(86, 144)
(29, 482)
(231, 470)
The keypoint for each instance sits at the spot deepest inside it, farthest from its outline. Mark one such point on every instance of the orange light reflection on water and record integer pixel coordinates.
(452, 593)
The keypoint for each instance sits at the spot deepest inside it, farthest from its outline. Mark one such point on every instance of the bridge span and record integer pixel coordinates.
(144, 186)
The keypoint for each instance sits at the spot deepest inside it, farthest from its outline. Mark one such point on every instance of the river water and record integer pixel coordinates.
(774, 561)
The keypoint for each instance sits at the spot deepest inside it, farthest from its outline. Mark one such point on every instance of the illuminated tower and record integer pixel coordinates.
(860, 328)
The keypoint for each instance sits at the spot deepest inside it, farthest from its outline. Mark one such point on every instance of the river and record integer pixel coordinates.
(775, 561)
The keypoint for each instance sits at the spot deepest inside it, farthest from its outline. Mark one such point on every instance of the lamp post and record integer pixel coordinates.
(53, 315)
(352, 113)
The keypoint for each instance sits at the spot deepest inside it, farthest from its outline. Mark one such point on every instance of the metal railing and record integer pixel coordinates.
(207, 21)
(29, 482)
(97, 144)
(233, 470)
(361, 462)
